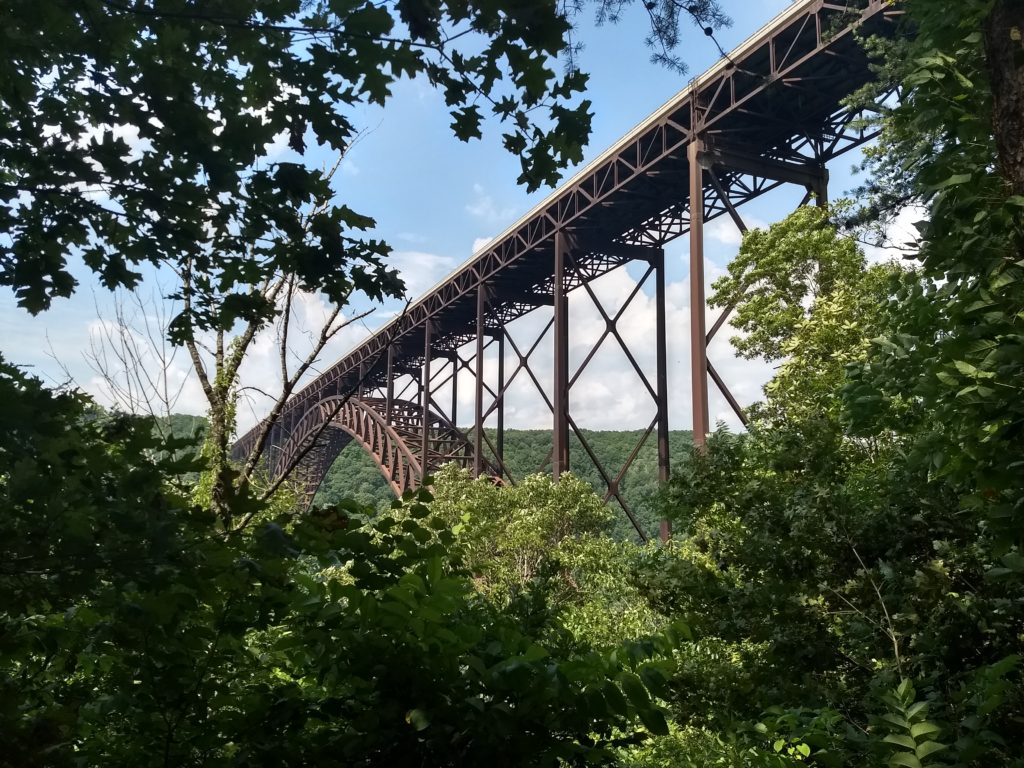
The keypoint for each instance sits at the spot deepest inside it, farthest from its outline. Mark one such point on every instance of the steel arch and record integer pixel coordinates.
(395, 447)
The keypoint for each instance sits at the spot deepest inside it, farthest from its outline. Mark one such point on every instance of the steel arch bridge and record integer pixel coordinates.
(767, 115)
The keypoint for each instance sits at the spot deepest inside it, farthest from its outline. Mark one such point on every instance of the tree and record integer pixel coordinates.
(824, 569)
(551, 538)
(866, 549)
(133, 629)
(133, 358)
(202, 93)
(953, 358)
(355, 475)
(780, 275)
(803, 295)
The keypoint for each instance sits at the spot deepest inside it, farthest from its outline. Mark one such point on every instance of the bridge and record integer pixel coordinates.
(769, 114)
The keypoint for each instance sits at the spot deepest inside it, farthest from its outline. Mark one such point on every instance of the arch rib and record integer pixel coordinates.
(394, 444)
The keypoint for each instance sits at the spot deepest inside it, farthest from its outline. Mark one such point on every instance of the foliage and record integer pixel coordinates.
(140, 135)
(551, 536)
(133, 632)
(956, 350)
(803, 294)
(165, 137)
(354, 475)
(778, 277)
(108, 104)
(832, 551)
(910, 733)
(850, 566)
(515, 530)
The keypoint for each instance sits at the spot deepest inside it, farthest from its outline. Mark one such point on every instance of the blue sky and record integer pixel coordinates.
(435, 199)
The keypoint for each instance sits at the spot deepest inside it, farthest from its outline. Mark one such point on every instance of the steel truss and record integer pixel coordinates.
(771, 114)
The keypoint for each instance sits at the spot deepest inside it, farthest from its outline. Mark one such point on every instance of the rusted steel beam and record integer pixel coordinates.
(621, 251)
(698, 345)
(661, 354)
(478, 422)
(736, 407)
(500, 400)
(455, 389)
(665, 138)
(425, 397)
(611, 484)
(611, 329)
(724, 197)
(560, 398)
(821, 191)
(719, 323)
(622, 196)
(804, 174)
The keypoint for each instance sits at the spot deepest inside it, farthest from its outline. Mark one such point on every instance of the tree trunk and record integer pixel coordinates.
(1004, 50)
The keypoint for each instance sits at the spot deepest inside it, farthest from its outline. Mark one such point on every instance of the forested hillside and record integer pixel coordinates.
(354, 475)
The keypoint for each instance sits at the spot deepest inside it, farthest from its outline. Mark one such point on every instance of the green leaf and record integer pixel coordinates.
(954, 180)
(616, 701)
(654, 721)
(417, 718)
(635, 690)
(924, 729)
(901, 740)
(905, 759)
(928, 748)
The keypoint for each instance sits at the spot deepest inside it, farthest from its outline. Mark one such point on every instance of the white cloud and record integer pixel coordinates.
(277, 147)
(607, 395)
(724, 229)
(420, 270)
(411, 237)
(155, 367)
(480, 243)
(260, 374)
(139, 372)
(901, 237)
(349, 168)
(484, 207)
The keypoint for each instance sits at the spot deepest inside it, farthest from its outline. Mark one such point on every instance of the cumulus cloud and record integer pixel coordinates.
(724, 230)
(260, 374)
(133, 368)
(421, 270)
(607, 392)
(484, 207)
(137, 371)
(411, 237)
(349, 168)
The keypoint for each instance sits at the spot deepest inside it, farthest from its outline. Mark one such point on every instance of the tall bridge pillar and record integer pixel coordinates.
(707, 166)
(560, 396)
(698, 345)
